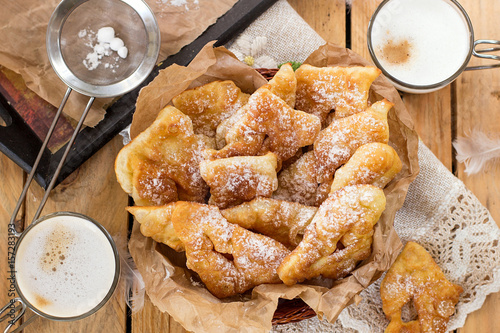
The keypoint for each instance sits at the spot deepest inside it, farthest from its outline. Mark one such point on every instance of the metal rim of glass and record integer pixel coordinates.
(57, 20)
(115, 278)
(422, 87)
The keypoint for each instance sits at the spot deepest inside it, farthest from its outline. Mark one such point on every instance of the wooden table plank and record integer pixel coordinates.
(11, 178)
(93, 191)
(327, 18)
(478, 103)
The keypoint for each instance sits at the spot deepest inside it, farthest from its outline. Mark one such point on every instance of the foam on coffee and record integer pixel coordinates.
(420, 42)
(65, 266)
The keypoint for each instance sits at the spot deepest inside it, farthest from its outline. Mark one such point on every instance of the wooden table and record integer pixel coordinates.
(472, 101)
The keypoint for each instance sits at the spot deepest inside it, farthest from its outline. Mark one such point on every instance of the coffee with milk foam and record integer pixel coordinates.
(65, 266)
(420, 42)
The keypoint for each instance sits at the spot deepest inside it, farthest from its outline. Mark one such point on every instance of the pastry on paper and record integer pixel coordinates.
(228, 258)
(415, 277)
(298, 182)
(344, 90)
(374, 163)
(234, 180)
(156, 222)
(281, 220)
(340, 230)
(269, 124)
(160, 165)
(208, 105)
(337, 143)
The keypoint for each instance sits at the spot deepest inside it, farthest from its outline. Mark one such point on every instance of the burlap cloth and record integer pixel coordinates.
(455, 228)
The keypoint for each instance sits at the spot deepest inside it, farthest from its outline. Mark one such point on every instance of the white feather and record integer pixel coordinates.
(132, 285)
(476, 150)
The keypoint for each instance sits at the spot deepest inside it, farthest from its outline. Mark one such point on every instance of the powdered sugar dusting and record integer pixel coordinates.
(338, 142)
(236, 179)
(228, 258)
(348, 215)
(343, 89)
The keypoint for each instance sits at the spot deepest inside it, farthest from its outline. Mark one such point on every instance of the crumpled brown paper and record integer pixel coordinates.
(170, 285)
(23, 24)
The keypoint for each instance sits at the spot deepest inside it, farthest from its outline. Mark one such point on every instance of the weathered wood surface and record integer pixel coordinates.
(472, 101)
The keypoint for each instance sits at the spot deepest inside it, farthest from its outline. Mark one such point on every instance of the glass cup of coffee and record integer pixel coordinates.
(424, 45)
(66, 267)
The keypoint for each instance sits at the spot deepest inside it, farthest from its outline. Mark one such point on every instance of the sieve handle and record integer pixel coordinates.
(479, 53)
(18, 312)
(37, 161)
(63, 158)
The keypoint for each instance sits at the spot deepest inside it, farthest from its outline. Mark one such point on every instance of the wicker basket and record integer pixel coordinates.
(288, 311)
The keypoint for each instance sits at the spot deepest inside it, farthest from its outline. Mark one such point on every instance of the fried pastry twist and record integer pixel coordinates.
(269, 124)
(283, 85)
(347, 216)
(416, 276)
(281, 220)
(343, 89)
(156, 222)
(236, 179)
(210, 104)
(298, 182)
(374, 163)
(160, 165)
(337, 143)
(228, 258)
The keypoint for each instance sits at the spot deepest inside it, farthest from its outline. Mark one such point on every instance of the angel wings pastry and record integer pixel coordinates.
(338, 236)
(209, 104)
(281, 220)
(156, 222)
(233, 180)
(283, 85)
(269, 124)
(415, 276)
(337, 143)
(374, 163)
(263, 188)
(161, 164)
(228, 258)
(343, 89)
(298, 182)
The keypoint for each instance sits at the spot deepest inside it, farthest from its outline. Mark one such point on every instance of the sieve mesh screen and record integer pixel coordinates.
(78, 36)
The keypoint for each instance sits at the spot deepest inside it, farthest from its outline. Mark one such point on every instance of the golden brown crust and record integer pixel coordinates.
(347, 216)
(284, 84)
(281, 220)
(298, 182)
(228, 258)
(374, 163)
(160, 165)
(269, 124)
(337, 143)
(321, 90)
(156, 222)
(416, 277)
(209, 104)
(237, 179)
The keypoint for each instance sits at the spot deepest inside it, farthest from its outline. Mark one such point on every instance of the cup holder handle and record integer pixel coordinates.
(479, 52)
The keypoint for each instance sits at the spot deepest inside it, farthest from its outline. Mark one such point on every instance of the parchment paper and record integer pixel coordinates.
(23, 25)
(170, 285)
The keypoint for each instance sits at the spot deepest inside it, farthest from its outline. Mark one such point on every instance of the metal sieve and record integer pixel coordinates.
(69, 40)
